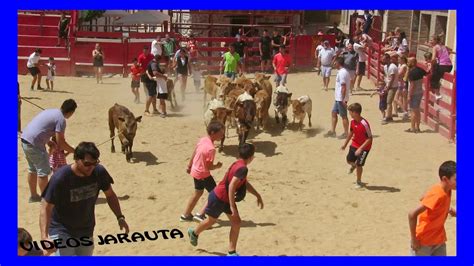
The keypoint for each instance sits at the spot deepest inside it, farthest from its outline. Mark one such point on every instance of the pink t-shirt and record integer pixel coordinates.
(205, 153)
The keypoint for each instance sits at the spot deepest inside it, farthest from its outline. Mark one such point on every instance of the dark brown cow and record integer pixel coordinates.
(281, 106)
(245, 114)
(262, 102)
(221, 114)
(124, 121)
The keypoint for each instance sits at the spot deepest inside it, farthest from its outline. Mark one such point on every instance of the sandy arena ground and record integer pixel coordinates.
(311, 207)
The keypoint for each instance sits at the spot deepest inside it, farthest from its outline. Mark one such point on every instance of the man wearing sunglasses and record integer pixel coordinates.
(68, 203)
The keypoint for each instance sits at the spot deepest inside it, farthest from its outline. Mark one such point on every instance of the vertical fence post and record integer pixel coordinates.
(369, 61)
(452, 133)
(379, 62)
(427, 97)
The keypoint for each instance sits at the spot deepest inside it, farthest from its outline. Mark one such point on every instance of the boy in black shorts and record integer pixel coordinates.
(222, 198)
(361, 136)
(200, 166)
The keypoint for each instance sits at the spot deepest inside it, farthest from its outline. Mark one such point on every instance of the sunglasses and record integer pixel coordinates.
(87, 163)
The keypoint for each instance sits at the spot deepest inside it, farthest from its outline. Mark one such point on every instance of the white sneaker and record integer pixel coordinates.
(438, 97)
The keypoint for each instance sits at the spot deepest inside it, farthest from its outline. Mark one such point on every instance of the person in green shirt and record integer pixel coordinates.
(169, 47)
(230, 62)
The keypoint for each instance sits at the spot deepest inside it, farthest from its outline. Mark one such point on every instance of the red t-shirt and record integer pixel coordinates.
(192, 47)
(361, 132)
(136, 71)
(144, 60)
(238, 169)
(281, 62)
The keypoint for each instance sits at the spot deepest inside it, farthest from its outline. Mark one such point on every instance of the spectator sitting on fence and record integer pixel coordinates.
(388, 42)
(403, 47)
(441, 64)
(368, 20)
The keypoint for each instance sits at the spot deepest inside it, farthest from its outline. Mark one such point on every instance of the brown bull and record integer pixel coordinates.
(124, 121)
(262, 102)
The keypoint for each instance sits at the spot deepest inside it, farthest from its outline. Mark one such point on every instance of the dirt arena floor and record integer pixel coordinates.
(311, 207)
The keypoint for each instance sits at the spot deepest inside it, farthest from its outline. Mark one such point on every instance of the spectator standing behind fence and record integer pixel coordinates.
(240, 48)
(156, 46)
(415, 93)
(169, 50)
(264, 47)
(63, 30)
(428, 236)
(33, 68)
(98, 57)
(277, 40)
(441, 63)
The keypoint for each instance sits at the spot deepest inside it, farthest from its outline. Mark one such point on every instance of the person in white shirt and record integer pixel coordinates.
(326, 58)
(391, 79)
(51, 73)
(316, 55)
(156, 48)
(360, 49)
(341, 96)
(33, 68)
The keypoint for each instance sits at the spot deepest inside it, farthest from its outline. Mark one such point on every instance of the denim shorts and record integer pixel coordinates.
(38, 159)
(80, 250)
(415, 101)
(339, 108)
(281, 79)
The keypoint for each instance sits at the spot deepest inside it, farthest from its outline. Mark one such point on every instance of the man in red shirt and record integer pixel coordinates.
(281, 63)
(223, 199)
(143, 60)
(361, 136)
(136, 70)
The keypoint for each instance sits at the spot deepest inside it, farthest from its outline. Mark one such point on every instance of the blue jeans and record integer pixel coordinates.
(80, 250)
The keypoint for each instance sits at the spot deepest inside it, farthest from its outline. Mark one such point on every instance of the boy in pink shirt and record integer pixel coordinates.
(200, 166)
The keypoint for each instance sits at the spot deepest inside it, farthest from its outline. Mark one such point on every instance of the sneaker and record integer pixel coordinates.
(233, 254)
(162, 115)
(330, 134)
(31, 89)
(147, 113)
(39, 88)
(351, 170)
(193, 239)
(438, 97)
(199, 217)
(185, 218)
(358, 185)
(36, 198)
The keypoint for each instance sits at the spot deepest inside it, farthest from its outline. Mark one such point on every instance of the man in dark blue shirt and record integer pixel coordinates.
(67, 211)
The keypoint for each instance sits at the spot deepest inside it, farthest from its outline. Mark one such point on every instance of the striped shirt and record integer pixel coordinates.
(57, 159)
